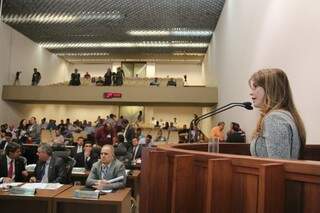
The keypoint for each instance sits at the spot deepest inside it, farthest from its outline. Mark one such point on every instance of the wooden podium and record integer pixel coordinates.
(185, 178)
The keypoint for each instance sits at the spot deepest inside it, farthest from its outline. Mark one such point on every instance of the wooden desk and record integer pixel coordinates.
(133, 180)
(185, 178)
(41, 202)
(118, 201)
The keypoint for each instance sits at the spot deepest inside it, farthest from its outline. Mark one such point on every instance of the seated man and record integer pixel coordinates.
(172, 82)
(235, 134)
(105, 169)
(99, 82)
(149, 142)
(78, 148)
(49, 169)
(155, 82)
(120, 149)
(86, 158)
(12, 167)
(136, 149)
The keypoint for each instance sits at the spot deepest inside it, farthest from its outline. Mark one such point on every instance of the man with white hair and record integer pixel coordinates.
(108, 167)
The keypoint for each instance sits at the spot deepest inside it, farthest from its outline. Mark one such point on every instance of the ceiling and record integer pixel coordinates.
(115, 27)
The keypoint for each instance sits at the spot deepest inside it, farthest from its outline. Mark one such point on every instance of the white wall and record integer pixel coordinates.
(25, 55)
(258, 34)
(5, 41)
(17, 52)
(151, 70)
(193, 72)
(63, 111)
(208, 71)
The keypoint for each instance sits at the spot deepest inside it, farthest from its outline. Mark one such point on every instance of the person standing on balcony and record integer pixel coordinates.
(36, 77)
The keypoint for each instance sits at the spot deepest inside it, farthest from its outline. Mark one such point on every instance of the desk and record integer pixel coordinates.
(40, 203)
(118, 201)
(133, 180)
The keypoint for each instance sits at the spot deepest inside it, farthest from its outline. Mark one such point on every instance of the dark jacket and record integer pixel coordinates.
(81, 162)
(121, 152)
(19, 168)
(138, 152)
(56, 173)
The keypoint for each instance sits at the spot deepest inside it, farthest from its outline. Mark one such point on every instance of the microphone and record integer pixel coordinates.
(247, 105)
(195, 121)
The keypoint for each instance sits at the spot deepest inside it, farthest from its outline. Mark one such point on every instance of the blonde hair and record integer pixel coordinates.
(278, 97)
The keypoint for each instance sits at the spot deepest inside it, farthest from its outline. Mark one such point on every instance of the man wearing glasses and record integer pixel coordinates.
(107, 168)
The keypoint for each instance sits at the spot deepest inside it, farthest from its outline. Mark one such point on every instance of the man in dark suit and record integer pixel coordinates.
(75, 78)
(136, 149)
(86, 159)
(105, 169)
(12, 167)
(172, 82)
(34, 130)
(128, 133)
(49, 169)
(78, 148)
(36, 76)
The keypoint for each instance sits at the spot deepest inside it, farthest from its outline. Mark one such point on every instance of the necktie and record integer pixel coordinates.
(10, 170)
(42, 171)
(135, 152)
(104, 172)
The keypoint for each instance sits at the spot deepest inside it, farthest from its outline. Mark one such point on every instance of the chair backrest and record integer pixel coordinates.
(70, 162)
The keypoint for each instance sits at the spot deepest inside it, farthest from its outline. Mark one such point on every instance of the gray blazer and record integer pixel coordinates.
(116, 169)
(279, 139)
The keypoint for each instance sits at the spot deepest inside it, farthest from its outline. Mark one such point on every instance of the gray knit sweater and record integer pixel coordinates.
(280, 137)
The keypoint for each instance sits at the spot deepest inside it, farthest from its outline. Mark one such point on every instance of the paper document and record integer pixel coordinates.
(30, 167)
(104, 191)
(50, 186)
(115, 179)
(7, 185)
(78, 170)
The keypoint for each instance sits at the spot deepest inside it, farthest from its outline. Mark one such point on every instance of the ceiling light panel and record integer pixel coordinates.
(108, 21)
(172, 32)
(124, 45)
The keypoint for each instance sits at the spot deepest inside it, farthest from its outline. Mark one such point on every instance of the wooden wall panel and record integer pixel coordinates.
(182, 200)
(311, 198)
(219, 186)
(154, 181)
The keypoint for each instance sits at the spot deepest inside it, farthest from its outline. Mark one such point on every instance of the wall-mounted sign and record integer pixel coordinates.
(110, 95)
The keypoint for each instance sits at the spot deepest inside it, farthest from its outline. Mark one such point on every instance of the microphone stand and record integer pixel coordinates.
(196, 121)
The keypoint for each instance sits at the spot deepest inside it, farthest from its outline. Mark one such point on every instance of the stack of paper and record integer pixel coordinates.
(8, 185)
(50, 186)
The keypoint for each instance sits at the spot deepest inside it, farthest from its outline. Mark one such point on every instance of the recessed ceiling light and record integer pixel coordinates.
(171, 32)
(82, 54)
(58, 18)
(188, 54)
(124, 45)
